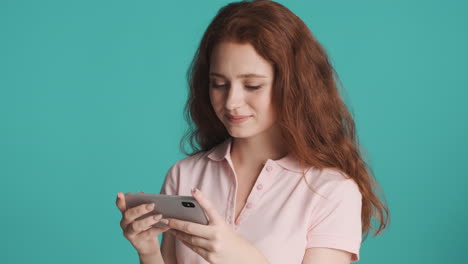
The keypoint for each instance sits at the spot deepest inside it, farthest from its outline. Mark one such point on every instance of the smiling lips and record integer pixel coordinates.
(237, 119)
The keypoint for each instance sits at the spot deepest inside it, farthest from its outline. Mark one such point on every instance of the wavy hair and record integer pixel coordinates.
(314, 121)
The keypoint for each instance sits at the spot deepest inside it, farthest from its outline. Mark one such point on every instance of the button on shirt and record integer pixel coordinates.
(285, 212)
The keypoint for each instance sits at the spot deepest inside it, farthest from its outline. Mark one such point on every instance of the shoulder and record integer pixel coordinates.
(188, 172)
(192, 165)
(190, 160)
(181, 166)
(332, 184)
(195, 161)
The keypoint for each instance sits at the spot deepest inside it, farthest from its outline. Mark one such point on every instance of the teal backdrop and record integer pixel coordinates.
(91, 100)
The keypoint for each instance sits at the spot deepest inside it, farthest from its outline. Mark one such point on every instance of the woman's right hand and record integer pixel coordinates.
(141, 233)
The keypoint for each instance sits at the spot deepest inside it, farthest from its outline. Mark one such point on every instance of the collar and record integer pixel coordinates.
(223, 152)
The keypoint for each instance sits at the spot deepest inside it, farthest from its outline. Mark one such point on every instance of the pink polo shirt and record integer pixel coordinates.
(282, 216)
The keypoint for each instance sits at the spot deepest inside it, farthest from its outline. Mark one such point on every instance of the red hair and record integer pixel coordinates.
(315, 123)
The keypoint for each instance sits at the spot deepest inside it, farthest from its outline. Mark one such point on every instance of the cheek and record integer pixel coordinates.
(215, 98)
(264, 107)
(264, 104)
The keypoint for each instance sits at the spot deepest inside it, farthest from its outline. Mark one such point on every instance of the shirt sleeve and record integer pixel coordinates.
(336, 222)
(171, 182)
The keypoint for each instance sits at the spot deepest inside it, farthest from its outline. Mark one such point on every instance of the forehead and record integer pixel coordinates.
(233, 60)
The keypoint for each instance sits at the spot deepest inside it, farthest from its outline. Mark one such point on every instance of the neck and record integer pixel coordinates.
(253, 152)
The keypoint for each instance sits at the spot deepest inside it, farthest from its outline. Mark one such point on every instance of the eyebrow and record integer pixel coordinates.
(245, 75)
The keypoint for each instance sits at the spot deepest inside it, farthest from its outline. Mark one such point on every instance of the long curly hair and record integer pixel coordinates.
(314, 121)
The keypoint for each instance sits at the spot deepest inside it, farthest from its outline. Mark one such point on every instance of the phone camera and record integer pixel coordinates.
(188, 204)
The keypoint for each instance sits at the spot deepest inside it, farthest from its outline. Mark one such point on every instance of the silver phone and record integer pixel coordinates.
(184, 208)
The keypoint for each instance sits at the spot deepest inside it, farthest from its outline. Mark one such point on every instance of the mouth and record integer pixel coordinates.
(238, 119)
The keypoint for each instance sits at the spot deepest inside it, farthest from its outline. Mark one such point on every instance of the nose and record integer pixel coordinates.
(234, 97)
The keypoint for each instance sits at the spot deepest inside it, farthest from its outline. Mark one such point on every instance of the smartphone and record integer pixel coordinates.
(184, 208)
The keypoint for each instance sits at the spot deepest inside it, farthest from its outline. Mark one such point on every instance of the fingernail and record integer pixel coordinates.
(164, 221)
(157, 217)
(150, 206)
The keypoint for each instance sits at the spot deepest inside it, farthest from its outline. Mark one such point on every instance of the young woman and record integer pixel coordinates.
(276, 163)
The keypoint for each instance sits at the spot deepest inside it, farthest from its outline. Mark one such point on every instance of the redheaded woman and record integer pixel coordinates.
(275, 163)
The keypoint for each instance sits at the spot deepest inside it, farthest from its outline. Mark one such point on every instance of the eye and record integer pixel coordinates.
(250, 87)
(214, 85)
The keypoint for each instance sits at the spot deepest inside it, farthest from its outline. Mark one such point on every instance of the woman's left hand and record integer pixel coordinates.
(216, 242)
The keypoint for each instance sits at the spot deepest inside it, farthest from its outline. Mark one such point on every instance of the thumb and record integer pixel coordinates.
(120, 202)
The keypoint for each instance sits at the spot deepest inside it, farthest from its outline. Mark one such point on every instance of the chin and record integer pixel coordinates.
(248, 132)
(238, 133)
(242, 133)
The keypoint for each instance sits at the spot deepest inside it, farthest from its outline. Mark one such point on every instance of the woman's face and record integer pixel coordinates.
(241, 89)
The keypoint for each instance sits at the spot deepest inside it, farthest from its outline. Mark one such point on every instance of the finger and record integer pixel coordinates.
(120, 202)
(142, 225)
(131, 214)
(148, 227)
(200, 251)
(190, 228)
(151, 233)
(207, 206)
(192, 240)
(146, 223)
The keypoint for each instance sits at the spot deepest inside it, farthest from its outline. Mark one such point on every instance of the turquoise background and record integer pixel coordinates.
(91, 100)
